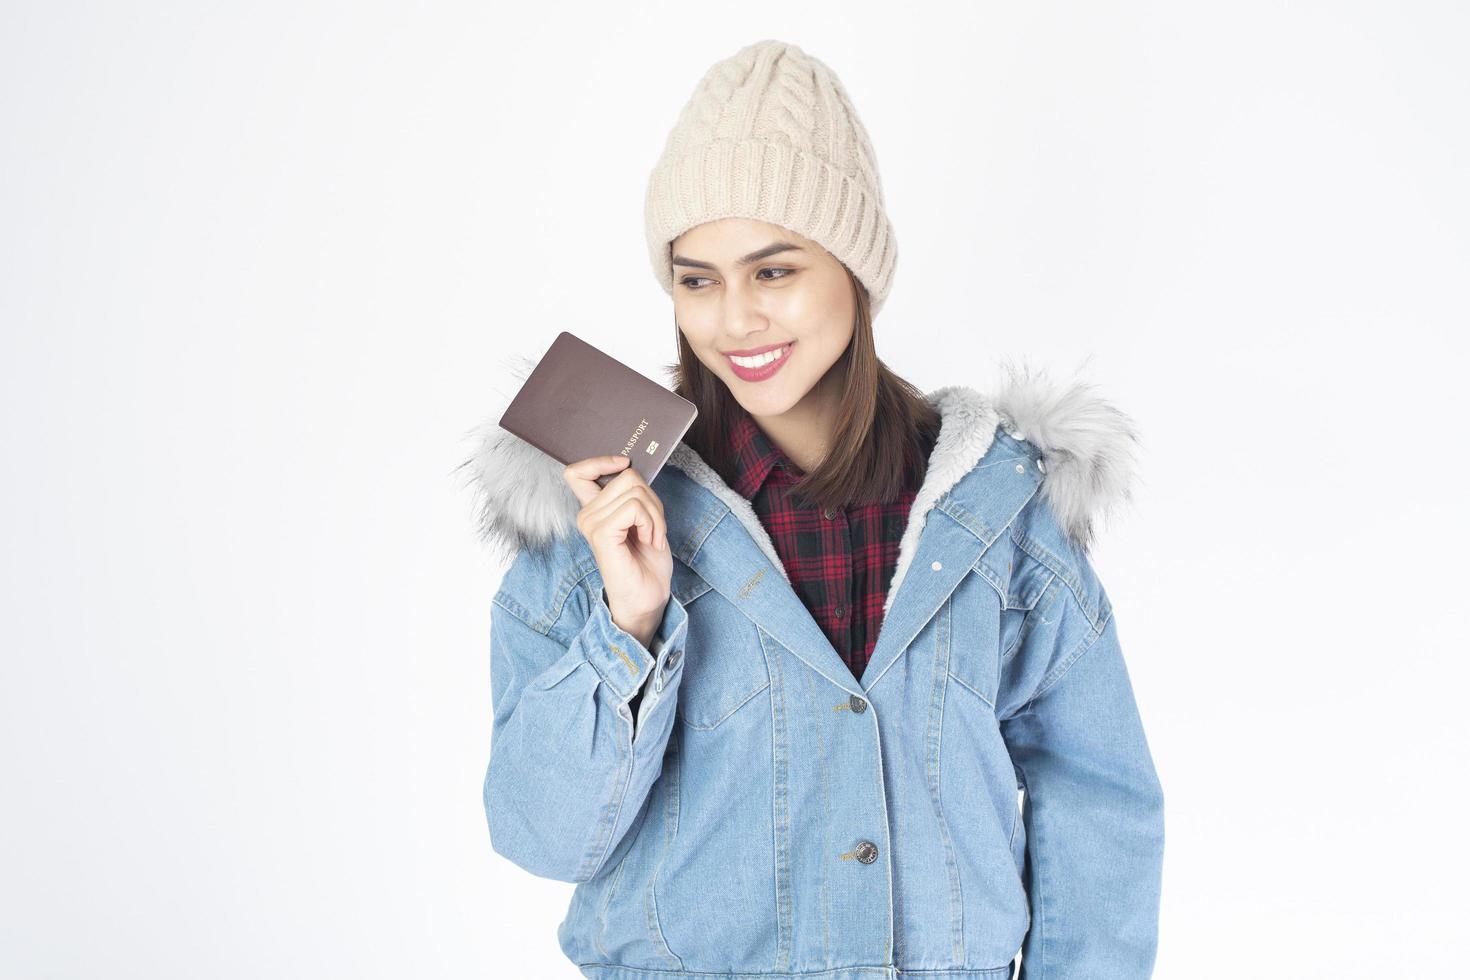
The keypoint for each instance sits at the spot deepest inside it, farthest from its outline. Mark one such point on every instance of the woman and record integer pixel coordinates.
(772, 712)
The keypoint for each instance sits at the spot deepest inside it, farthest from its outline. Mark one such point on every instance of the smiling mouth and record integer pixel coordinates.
(761, 360)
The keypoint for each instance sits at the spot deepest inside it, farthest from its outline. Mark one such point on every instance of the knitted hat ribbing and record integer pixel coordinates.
(770, 134)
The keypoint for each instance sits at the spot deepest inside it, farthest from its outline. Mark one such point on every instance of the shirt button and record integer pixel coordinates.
(867, 852)
(1020, 467)
(857, 704)
(671, 660)
(1041, 465)
(937, 566)
(829, 513)
(841, 611)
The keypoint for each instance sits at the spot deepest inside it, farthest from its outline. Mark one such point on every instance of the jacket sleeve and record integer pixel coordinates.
(567, 772)
(1093, 806)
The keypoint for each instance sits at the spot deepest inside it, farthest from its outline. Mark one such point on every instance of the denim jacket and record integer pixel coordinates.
(984, 789)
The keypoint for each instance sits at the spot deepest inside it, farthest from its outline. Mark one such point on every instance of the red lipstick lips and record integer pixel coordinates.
(761, 372)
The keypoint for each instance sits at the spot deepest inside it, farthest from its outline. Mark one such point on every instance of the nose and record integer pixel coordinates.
(742, 318)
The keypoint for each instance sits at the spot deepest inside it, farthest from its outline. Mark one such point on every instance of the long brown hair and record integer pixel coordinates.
(881, 421)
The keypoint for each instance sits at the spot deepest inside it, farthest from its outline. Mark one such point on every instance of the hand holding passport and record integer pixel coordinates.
(579, 402)
(583, 407)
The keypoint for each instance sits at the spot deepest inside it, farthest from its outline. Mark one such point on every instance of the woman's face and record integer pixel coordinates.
(792, 297)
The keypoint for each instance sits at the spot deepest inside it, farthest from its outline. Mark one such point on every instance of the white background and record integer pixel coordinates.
(262, 263)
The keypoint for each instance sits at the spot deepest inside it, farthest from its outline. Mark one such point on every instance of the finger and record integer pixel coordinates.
(658, 536)
(582, 474)
(631, 520)
(660, 522)
(614, 495)
(647, 494)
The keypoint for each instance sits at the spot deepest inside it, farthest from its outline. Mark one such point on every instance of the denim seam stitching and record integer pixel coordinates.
(676, 814)
(673, 778)
(567, 584)
(606, 680)
(1055, 589)
(961, 682)
(1086, 643)
(780, 814)
(1063, 570)
(999, 972)
(943, 639)
(694, 724)
(626, 767)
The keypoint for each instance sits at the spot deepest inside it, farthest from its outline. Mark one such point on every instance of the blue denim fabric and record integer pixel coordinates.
(772, 816)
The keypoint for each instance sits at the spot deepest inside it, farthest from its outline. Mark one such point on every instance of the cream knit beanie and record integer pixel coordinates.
(770, 134)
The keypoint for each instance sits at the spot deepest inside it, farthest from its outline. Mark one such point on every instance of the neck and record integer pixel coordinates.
(804, 431)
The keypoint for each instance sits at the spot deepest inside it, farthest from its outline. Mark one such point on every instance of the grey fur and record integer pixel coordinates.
(966, 430)
(1086, 446)
(522, 500)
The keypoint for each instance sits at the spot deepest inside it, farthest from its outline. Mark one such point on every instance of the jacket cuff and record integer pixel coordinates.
(624, 663)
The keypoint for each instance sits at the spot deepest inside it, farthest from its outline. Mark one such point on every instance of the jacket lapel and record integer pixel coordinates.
(944, 555)
(708, 534)
(717, 534)
(964, 522)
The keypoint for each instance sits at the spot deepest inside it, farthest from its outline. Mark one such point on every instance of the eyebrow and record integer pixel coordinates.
(755, 256)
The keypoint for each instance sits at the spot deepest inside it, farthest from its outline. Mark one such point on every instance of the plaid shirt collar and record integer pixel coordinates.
(757, 458)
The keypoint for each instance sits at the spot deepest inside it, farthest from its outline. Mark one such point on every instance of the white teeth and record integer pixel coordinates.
(759, 359)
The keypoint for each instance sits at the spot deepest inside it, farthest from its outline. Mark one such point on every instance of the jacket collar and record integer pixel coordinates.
(1086, 446)
(1077, 450)
(738, 560)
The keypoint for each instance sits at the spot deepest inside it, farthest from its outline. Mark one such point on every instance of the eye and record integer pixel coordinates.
(689, 281)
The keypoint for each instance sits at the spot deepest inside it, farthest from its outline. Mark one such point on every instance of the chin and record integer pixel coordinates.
(764, 400)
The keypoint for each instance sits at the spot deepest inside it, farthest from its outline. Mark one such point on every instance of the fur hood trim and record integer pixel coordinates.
(1086, 444)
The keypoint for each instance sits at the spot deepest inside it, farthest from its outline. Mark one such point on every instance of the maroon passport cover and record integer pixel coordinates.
(579, 402)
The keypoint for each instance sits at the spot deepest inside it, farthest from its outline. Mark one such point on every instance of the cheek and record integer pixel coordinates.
(822, 329)
(700, 336)
(695, 323)
(821, 309)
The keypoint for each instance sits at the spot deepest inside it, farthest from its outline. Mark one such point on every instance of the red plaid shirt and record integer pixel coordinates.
(839, 562)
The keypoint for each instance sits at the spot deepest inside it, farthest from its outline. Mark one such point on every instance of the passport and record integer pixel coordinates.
(579, 401)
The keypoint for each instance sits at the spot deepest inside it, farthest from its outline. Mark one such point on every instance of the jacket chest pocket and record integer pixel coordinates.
(725, 671)
(979, 619)
(991, 609)
(1029, 581)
